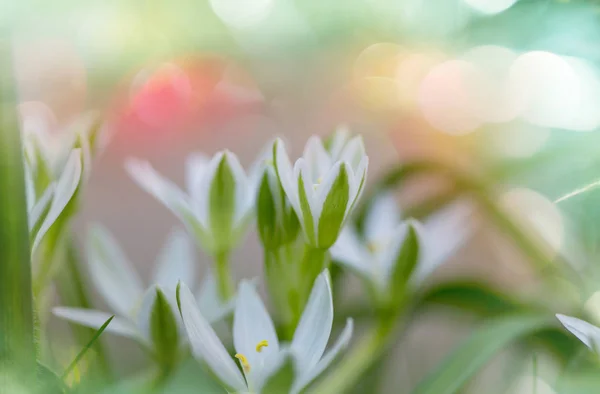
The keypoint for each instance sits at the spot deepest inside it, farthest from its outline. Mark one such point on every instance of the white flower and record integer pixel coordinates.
(587, 333)
(258, 349)
(123, 291)
(43, 211)
(218, 202)
(375, 254)
(322, 189)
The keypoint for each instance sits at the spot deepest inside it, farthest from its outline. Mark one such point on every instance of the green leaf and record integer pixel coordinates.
(281, 381)
(222, 205)
(471, 355)
(472, 297)
(266, 213)
(405, 264)
(307, 217)
(164, 330)
(334, 209)
(86, 348)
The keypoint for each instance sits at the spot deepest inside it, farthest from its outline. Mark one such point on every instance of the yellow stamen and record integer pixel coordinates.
(243, 361)
(262, 344)
(373, 246)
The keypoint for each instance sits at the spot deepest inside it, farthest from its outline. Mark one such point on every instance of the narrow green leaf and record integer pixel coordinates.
(405, 264)
(86, 348)
(307, 217)
(222, 205)
(163, 330)
(471, 355)
(334, 209)
(266, 214)
(17, 347)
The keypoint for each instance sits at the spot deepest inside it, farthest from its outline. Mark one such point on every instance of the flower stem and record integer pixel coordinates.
(17, 343)
(358, 361)
(225, 285)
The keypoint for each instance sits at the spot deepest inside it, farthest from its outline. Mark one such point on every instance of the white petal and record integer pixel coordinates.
(41, 205)
(175, 261)
(341, 343)
(161, 188)
(95, 319)
(338, 141)
(584, 331)
(317, 159)
(205, 343)
(29, 187)
(112, 272)
(209, 300)
(244, 199)
(314, 328)
(144, 312)
(251, 325)
(301, 169)
(353, 152)
(445, 231)
(289, 182)
(66, 187)
(195, 167)
(358, 183)
(349, 251)
(382, 219)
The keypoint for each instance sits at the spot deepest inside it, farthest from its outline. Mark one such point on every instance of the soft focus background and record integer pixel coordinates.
(504, 89)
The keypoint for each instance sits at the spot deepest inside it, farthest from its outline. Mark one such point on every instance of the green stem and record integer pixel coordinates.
(72, 292)
(225, 284)
(362, 356)
(17, 340)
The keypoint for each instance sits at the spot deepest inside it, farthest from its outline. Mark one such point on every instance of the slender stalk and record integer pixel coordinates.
(361, 357)
(72, 292)
(17, 341)
(225, 284)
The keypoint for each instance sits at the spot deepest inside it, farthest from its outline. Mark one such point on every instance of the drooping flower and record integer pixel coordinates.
(217, 204)
(586, 332)
(375, 254)
(259, 351)
(130, 301)
(323, 189)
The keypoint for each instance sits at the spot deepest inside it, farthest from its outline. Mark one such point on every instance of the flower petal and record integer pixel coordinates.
(285, 173)
(317, 159)
(162, 189)
(244, 196)
(209, 300)
(314, 328)
(252, 325)
(338, 141)
(333, 200)
(195, 167)
(112, 273)
(353, 152)
(205, 343)
(587, 333)
(39, 211)
(341, 343)
(445, 231)
(350, 252)
(144, 312)
(95, 319)
(175, 261)
(382, 219)
(66, 187)
(201, 199)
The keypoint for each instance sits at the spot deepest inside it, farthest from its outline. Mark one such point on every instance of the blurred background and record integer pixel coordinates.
(503, 90)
